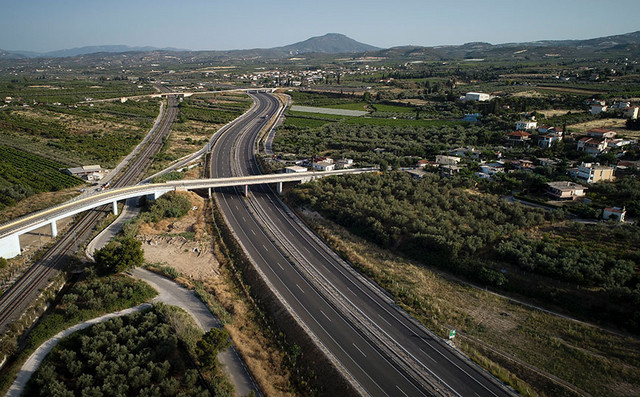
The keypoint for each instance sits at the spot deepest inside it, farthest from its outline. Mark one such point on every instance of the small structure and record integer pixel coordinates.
(525, 125)
(295, 168)
(597, 108)
(471, 117)
(447, 160)
(632, 112)
(87, 172)
(490, 169)
(324, 166)
(518, 138)
(563, 190)
(614, 213)
(344, 163)
(594, 172)
(416, 173)
(601, 133)
(466, 152)
(593, 146)
(447, 171)
(477, 96)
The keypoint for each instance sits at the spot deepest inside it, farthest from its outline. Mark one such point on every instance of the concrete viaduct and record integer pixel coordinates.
(10, 232)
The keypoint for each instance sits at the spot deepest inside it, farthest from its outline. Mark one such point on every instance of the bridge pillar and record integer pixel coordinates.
(115, 207)
(10, 246)
(54, 229)
(279, 187)
(209, 192)
(245, 190)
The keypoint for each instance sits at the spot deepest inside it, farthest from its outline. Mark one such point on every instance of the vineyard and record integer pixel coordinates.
(23, 174)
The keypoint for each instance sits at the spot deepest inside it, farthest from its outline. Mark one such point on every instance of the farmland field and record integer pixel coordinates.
(23, 174)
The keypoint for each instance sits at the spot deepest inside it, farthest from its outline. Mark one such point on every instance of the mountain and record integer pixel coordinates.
(72, 52)
(330, 43)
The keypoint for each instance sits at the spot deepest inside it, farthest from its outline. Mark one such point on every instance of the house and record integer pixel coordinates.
(447, 171)
(324, 166)
(547, 162)
(563, 190)
(620, 142)
(525, 125)
(621, 105)
(422, 163)
(601, 133)
(344, 163)
(594, 172)
(87, 172)
(593, 146)
(466, 152)
(477, 96)
(416, 174)
(522, 164)
(598, 108)
(518, 137)
(632, 112)
(294, 169)
(614, 213)
(447, 160)
(552, 136)
(490, 169)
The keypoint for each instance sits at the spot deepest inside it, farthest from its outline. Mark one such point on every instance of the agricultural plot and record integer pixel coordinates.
(23, 174)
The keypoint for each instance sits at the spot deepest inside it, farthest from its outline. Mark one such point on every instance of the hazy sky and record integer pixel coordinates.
(45, 25)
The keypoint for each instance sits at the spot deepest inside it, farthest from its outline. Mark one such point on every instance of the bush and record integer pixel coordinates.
(119, 255)
(169, 205)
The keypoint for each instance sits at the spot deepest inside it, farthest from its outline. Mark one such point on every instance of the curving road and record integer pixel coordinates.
(382, 350)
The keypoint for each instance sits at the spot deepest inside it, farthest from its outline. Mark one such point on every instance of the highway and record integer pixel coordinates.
(382, 350)
(25, 290)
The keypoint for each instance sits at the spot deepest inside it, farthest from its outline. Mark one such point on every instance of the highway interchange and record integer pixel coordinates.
(379, 347)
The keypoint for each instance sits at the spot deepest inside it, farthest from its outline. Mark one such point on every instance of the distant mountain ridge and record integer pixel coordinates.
(334, 43)
(330, 43)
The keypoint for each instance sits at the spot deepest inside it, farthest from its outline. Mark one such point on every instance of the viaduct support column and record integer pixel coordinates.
(279, 187)
(115, 207)
(209, 192)
(10, 246)
(54, 229)
(245, 190)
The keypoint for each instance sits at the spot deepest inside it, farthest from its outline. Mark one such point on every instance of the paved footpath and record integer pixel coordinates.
(33, 362)
(171, 294)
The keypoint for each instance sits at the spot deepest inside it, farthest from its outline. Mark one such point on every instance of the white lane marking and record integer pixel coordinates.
(325, 315)
(244, 220)
(254, 233)
(301, 290)
(427, 354)
(383, 319)
(280, 266)
(402, 391)
(265, 248)
(354, 345)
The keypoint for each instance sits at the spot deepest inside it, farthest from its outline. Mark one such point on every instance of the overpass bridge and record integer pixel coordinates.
(10, 232)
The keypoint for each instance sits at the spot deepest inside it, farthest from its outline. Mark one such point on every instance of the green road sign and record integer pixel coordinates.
(452, 334)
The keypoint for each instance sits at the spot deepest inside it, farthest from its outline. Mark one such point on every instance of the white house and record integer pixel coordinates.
(324, 166)
(563, 190)
(614, 213)
(524, 125)
(598, 108)
(632, 112)
(447, 160)
(344, 163)
(592, 173)
(477, 96)
(593, 146)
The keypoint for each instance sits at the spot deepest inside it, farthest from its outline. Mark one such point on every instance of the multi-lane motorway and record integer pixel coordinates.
(382, 350)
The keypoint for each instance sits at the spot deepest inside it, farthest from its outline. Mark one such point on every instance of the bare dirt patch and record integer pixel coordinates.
(528, 94)
(195, 259)
(554, 112)
(602, 123)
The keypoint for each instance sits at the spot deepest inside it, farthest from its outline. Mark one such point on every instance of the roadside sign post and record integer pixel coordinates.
(452, 334)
